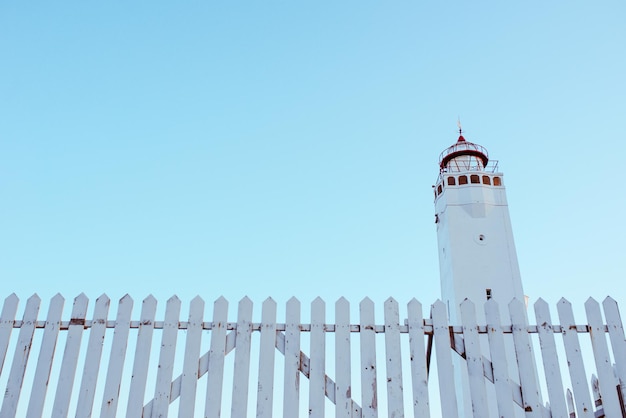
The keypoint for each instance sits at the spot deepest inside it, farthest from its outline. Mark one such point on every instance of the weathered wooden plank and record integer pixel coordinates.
(7, 319)
(317, 366)
(369, 385)
(618, 342)
(291, 400)
(142, 358)
(267, 356)
(241, 373)
(70, 357)
(570, 404)
(443, 352)
(46, 355)
(20, 359)
(525, 360)
(116, 360)
(550, 358)
(395, 399)
(473, 359)
(166, 360)
(419, 370)
(93, 357)
(575, 363)
(343, 388)
(499, 362)
(604, 367)
(189, 379)
(217, 352)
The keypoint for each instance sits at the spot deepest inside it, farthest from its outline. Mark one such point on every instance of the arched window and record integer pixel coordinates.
(462, 179)
(439, 189)
(451, 181)
(486, 180)
(474, 178)
(497, 181)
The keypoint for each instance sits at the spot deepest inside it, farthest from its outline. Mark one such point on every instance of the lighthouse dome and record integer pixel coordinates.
(463, 156)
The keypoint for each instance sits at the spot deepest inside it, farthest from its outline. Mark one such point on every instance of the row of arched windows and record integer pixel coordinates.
(473, 179)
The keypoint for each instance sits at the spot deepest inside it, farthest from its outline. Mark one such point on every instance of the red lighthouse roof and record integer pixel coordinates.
(461, 148)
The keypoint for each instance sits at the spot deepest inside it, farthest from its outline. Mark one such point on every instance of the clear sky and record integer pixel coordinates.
(274, 148)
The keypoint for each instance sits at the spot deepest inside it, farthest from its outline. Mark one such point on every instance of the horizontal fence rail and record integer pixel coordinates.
(107, 364)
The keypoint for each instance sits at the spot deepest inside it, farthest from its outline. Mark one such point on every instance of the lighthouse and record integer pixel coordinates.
(477, 257)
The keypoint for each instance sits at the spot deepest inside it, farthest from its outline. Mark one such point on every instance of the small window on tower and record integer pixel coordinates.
(486, 180)
(451, 181)
(488, 292)
(474, 179)
(462, 179)
(439, 189)
(497, 181)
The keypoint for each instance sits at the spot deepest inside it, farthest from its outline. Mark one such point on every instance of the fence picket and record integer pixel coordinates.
(189, 377)
(117, 358)
(317, 363)
(267, 355)
(474, 360)
(499, 361)
(217, 352)
(70, 357)
(20, 360)
(369, 392)
(241, 372)
(7, 319)
(618, 343)
(525, 361)
(395, 400)
(550, 359)
(419, 371)
(606, 378)
(93, 357)
(343, 389)
(445, 371)
(576, 366)
(166, 360)
(291, 400)
(142, 358)
(46, 355)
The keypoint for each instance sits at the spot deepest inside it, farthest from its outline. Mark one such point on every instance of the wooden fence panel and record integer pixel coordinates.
(618, 343)
(241, 372)
(20, 359)
(291, 399)
(445, 370)
(575, 363)
(606, 378)
(343, 389)
(167, 355)
(317, 364)
(217, 352)
(369, 386)
(7, 319)
(189, 377)
(525, 361)
(395, 399)
(419, 369)
(267, 356)
(550, 358)
(117, 358)
(474, 360)
(46, 356)
(499, 362)
(93, 357)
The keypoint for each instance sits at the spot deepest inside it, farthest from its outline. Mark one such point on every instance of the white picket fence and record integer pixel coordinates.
(169, 386)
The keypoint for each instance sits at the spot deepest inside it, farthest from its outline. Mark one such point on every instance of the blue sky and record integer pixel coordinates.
(288, 148)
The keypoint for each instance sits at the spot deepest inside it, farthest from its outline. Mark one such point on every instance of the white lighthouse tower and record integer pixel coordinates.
(477, 257)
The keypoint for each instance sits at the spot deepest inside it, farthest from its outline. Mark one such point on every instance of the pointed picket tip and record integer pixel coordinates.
(269, 300)
(516, 303)
(342, 300)
(173, 299)
(103, 298)
(540, 303)
(564, 301)
(12, 299)
(126, 298)
(342, 303)
(245, 301)
(366, 301)
(591, 302)
(318, 300)
(413, 301)
(390, 300)
(149, 299)
(220, 301)
(467, 303)
(82, 295)
(609, 300)
(197, 301)
(293, 301)
(438, 304)
(33, 298)
(57, 298)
